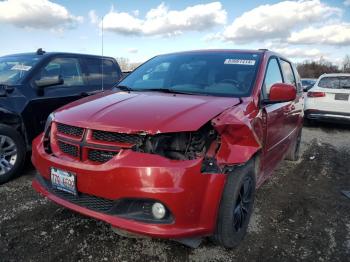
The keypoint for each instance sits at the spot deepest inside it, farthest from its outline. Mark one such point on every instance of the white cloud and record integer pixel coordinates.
(347, 2)
(276, 21)
(165, 22)
(300, 53)
(93, 17)
(132, 50)
(335, 34)
(37, 14)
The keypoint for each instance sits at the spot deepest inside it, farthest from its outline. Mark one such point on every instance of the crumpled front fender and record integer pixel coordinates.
(239, 141)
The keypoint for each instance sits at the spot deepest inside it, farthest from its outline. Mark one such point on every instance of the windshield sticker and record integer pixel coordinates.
(21, 67)
(239, 62)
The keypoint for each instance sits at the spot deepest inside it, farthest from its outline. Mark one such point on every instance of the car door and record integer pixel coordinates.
(276, 132)
(50, 98)
(294, 109)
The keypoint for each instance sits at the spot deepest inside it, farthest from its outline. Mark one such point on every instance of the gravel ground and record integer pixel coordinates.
(300, 214)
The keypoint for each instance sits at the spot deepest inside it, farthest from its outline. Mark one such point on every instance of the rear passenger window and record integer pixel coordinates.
(111, 73)
(273, 75)
(288, 73)
(68, 68)
(297, 78)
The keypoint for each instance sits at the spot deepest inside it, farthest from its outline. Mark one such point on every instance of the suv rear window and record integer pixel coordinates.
(339, 82)
(94, 67)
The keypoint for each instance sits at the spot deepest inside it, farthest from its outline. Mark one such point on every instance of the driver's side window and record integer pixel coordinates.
(68, 68)
(273, 76)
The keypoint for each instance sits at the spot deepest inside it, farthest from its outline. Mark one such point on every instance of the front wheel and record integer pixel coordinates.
(236, 206)
(12, 153)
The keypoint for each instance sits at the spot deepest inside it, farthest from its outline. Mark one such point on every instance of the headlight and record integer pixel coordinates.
(46, 138)
(49, 120)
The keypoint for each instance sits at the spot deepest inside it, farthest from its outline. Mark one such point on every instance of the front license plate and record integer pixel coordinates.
(343, 97)
(63, 180)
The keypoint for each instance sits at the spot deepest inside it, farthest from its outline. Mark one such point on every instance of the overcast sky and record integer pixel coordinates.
(138, 29)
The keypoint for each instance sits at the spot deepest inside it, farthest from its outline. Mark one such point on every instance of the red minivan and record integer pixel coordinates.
(178, 148)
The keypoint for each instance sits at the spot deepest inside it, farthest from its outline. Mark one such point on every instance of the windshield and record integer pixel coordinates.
(14, 68)
(219, 74)
(338, 82)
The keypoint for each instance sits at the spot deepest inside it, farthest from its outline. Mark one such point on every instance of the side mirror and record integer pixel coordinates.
(5, 90)
(282, 93)
(49, 81)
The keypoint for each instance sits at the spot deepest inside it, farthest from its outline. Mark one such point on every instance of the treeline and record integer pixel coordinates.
(126, 65)
(313, 69)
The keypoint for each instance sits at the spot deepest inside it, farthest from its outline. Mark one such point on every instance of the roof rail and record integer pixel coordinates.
(40, 51)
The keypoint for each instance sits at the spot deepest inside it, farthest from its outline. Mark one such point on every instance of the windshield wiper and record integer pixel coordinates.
(124, 88)
(168, 90)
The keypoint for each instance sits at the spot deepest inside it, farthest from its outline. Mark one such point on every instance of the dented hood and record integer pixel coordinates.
(149, 112)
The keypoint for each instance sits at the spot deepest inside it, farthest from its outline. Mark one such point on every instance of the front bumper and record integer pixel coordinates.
(327, 116)
(192, 197)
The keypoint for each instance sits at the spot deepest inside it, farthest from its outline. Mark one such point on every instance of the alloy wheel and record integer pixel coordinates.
(243, 204)
(8, 154)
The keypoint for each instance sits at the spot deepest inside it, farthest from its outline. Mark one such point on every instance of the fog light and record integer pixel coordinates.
(158, 210)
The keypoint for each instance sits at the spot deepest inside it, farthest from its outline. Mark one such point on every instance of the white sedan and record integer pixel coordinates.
(329, 99)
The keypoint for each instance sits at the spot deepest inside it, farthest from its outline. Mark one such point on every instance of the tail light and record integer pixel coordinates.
(316, 94)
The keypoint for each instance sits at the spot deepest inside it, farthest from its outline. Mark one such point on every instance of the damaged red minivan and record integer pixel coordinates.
(178, 148)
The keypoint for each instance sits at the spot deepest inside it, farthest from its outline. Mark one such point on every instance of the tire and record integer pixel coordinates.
(12, 153)
(230, 231)
(294, 151)
(309, 122)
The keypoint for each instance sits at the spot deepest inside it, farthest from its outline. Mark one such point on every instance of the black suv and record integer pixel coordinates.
(32, 85)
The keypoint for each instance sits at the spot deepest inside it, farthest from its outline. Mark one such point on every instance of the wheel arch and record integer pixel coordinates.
(15, 121)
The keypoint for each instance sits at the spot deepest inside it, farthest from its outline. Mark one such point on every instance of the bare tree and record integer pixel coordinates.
(346, 64)
(313, 69)
(126, 65)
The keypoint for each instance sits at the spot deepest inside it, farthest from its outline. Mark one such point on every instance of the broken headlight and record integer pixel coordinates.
(179, 146)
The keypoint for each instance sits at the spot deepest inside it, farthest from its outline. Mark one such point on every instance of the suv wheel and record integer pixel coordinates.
(236, 207)
(12, 153)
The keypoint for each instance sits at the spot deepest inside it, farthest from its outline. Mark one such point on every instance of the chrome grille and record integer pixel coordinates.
(100, 156)
(68, 149)
(116, 137)
(70, 130)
